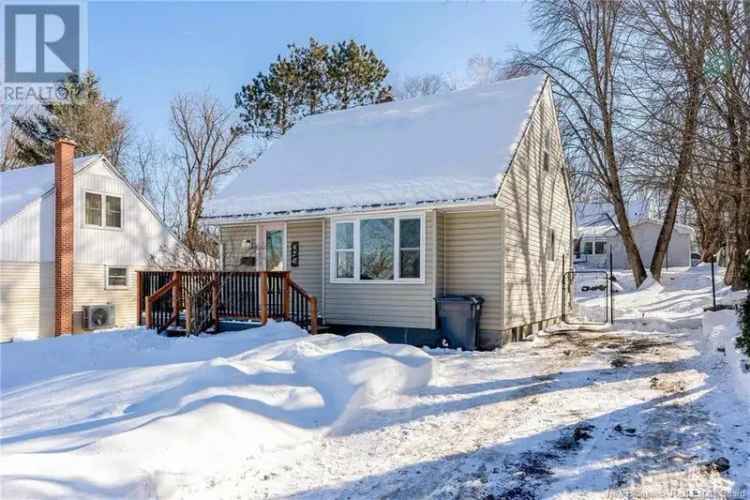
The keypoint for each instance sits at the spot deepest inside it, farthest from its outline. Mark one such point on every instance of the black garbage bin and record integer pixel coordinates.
(458, 317)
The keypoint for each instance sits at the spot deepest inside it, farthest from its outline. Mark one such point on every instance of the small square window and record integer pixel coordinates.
(117, 277)
(600, 247)
(93, 209)
(588, 247)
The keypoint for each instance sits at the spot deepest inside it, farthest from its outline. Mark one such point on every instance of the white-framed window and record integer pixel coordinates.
(378, 249)
(102, 210)
(594, 247)
(116, 277)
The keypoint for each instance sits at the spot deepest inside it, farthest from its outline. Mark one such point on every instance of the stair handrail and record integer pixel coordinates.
(151, 300)
(313, 302)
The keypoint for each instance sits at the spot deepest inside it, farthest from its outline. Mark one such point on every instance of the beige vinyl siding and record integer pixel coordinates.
(404, 305)
(534, 202)
(89, 290)
(232, 238)
(26, 300)
(309, 274)
(471, 252)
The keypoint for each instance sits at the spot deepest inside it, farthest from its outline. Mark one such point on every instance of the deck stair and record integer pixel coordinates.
(192, 302)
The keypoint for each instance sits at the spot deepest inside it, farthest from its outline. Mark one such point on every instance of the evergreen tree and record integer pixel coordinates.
(310, 80)
(87, 117)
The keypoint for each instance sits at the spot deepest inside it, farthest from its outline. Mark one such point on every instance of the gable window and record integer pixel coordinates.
(114, 211)
(117, 277)
(103, 210)
(93, 209)
(378, 249)
(545, 154)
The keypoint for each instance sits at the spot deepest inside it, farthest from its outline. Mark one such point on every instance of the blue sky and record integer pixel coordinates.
(146, 52)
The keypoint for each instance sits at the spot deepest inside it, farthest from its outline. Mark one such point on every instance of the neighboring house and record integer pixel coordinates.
(597, 235)
(72, 235)
(378, 210)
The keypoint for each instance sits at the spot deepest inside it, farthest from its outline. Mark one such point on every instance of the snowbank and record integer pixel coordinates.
(131, 414)
(720, 329)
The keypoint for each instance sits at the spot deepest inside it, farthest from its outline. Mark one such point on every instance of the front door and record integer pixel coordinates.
(273, 247)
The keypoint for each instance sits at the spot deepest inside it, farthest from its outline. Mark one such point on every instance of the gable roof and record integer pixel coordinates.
(22, 186)
(444, 148)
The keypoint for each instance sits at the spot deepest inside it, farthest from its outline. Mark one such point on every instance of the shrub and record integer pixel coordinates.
(743, 341)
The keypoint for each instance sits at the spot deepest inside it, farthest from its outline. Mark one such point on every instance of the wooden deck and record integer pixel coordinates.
(193, 302)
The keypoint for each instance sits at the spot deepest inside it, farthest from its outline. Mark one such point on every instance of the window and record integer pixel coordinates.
(344, 250)
(588, 247)
(545, 154)
(551, 245)
(106, 214)
(114, 212)
(410, 234)
(93, 209)
(600, 247)
(378, 249)
(117, 277)
(376, 238)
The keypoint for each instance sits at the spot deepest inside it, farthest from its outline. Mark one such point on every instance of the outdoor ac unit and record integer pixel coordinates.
(99, 316)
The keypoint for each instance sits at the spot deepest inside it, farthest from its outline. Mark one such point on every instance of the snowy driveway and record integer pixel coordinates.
(635, 412)
(503, 425)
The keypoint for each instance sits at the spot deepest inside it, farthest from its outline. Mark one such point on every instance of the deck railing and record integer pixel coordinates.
(203, 297)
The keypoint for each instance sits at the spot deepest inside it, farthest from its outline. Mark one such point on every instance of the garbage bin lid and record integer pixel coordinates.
(474, 299)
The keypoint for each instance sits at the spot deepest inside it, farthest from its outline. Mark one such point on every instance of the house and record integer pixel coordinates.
(597, 234)
(72, 235)
(379, 210)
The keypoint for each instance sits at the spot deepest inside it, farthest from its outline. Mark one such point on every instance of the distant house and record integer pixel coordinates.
(379, 210)
(597, 234)
(72, 235)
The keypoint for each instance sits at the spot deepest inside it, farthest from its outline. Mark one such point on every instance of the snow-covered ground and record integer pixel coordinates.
(578, 412)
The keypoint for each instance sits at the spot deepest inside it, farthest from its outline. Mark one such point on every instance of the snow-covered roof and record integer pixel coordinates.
(444, 148)
(22, 186)
(609, 229)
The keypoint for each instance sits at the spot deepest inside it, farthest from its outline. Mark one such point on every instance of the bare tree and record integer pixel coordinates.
(208, 147)
(669, 85)
(582, 51)
(421, 85)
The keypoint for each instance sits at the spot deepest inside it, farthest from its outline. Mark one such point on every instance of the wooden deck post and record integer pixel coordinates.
(188, 315)
(286, 291)
(139, 297)
(149, 315)
(215, 301)
(313, 315)
(263, 297)
(176, 293)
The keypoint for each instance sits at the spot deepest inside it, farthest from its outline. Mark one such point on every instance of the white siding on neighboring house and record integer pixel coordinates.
(142, 233)
(90, 289)
(645, 235)
(27, 299)
(535, 202)
(404, 305)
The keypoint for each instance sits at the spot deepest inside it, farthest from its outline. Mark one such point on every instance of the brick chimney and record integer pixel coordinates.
(64, 225)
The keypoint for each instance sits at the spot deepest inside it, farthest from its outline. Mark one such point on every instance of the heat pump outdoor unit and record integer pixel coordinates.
(100, 316)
